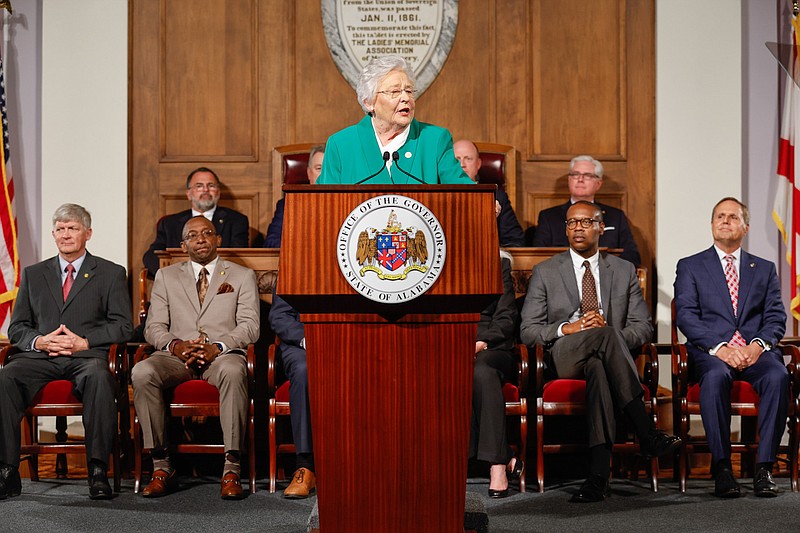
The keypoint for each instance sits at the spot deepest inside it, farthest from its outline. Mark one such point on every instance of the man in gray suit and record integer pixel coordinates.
(70, 309)
(203, 314)
(587, 309)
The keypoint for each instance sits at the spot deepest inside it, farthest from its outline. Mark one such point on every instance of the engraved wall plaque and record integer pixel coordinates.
(421, 31)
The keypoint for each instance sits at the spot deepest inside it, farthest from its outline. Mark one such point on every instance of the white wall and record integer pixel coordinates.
(85, 119)
(698, 128)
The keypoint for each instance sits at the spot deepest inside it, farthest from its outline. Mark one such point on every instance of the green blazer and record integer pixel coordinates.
(352, 154)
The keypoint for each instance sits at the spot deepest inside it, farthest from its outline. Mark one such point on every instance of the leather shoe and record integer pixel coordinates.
(516, 473)
(496, 494)
(304, 482)
(231, 487)
(10, 483)
(161, 484)
(594, 489)
(763, 484)
(725, 485)
(661, 444)
(99, 489)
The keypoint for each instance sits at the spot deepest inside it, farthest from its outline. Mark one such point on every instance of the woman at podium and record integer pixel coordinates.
(389, 146)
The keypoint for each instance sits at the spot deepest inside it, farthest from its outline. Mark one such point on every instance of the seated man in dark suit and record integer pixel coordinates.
(508, 229)
(585, 179)
(285, 321)
(69, 310)
(314, 169)
(729, 306)
(587, 310)
(202, 190)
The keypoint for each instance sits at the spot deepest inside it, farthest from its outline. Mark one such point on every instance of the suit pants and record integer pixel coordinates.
(487, 440)
(294, 365)
(23, 377)
(162, 370)
(769, 378)
(601, 357)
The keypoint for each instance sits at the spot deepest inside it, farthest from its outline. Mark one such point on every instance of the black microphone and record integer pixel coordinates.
(396, 159)
(385, 159)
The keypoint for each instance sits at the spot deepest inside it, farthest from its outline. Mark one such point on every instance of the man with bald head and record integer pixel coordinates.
(203, 314)
(508, 229)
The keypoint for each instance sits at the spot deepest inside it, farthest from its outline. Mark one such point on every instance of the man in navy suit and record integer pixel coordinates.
(69, 311)
(585, 179)
(729, 307)
(508, 229)
(313, 170)
(202, 190)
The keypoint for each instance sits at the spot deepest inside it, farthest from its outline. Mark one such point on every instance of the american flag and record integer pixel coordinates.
(9, 255)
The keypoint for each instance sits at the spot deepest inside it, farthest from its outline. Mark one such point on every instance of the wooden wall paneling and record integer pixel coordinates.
(208, 81)
(578, 71)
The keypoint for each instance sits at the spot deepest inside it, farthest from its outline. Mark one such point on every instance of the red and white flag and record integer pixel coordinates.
(9, 256)
(786, 210)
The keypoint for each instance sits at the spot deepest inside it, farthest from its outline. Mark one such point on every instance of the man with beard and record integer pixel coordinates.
(202, 190)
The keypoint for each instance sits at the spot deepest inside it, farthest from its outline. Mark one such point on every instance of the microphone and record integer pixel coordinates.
(396, 159)
(385, 159)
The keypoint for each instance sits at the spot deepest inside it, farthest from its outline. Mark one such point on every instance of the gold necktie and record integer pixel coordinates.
(202, 285)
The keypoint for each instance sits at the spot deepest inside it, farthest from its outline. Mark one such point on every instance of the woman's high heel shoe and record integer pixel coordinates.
(519, 466)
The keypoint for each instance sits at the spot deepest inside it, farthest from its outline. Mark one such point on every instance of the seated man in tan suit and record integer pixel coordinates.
(203, 314)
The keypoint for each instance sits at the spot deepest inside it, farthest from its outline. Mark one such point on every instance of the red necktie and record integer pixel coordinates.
(68, 281)
(733, 289)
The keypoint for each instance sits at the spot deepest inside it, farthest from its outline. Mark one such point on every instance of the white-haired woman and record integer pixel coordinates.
(389, 145)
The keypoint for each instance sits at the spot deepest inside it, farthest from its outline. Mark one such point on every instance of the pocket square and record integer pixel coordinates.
(225, 287)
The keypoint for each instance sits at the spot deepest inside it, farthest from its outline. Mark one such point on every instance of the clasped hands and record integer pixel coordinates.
(196, 354)
(590, 320)
(61, 341)
(740, 357)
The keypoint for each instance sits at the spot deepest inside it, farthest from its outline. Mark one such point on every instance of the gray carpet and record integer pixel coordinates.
(63, 506)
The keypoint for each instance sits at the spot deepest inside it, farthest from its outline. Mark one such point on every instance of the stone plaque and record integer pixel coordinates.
(421, 31)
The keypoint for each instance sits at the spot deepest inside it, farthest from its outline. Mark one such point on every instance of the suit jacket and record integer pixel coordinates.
(498, 324)
(98, 306)
(550, 230)
(353, 154)
(285, 321)
(228, 317)
(704, 308)
(231, 225)
(508, 229)
(553, 297)
(275, 229)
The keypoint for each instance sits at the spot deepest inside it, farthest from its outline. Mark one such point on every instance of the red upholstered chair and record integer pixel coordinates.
(567, 397)
(198, 398)
(56, 399)
(499, 166)
(289, 164)
(278, 389)
(744, 403)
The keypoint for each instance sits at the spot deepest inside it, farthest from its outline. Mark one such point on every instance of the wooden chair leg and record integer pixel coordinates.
(523, 435)
(251, 450)
(61, 436)
(137, 455)
(273, 452)
(540, 451)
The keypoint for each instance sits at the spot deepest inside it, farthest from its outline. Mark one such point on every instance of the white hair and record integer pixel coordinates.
(598, 166)
(374, 72)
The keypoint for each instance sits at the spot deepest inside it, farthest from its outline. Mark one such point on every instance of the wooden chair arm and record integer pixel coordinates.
(539, 352)
(272, 368)
(649, 375)
(251, 368)
(680, 370)
(143, 352)
(793, 366)
(144, 300)
(521, 352)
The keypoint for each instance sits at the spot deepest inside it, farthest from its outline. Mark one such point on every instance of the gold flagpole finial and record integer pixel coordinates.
(7, 4)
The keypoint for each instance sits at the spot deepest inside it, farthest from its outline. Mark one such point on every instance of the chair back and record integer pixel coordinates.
(499, 166)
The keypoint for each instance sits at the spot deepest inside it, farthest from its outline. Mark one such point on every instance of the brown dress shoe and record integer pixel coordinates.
(231, 487)
(162, 484)
(304, 482)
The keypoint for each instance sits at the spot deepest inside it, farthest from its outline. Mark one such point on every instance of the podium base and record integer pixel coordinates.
(475, 518)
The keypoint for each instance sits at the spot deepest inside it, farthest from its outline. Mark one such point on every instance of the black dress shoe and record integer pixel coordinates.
(594, 489)
(519, 466)
(725, 485)
(661, 444)
(10, 484)
(496, 494)
(763, 484)
(99, 489)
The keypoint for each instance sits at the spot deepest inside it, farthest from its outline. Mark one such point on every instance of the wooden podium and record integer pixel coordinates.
(390, 385)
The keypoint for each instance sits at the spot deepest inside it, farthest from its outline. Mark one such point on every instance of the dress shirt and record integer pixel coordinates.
(208, 214)
(578, 270)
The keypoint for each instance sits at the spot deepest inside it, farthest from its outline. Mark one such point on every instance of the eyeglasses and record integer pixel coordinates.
(584, 222)
(194, 235)
(394, 94)
(585, 175)
(201, 186)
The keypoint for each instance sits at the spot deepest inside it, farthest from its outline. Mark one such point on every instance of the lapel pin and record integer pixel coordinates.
(408, 155)
(86, 275)
(222, 273)
(752, 265)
